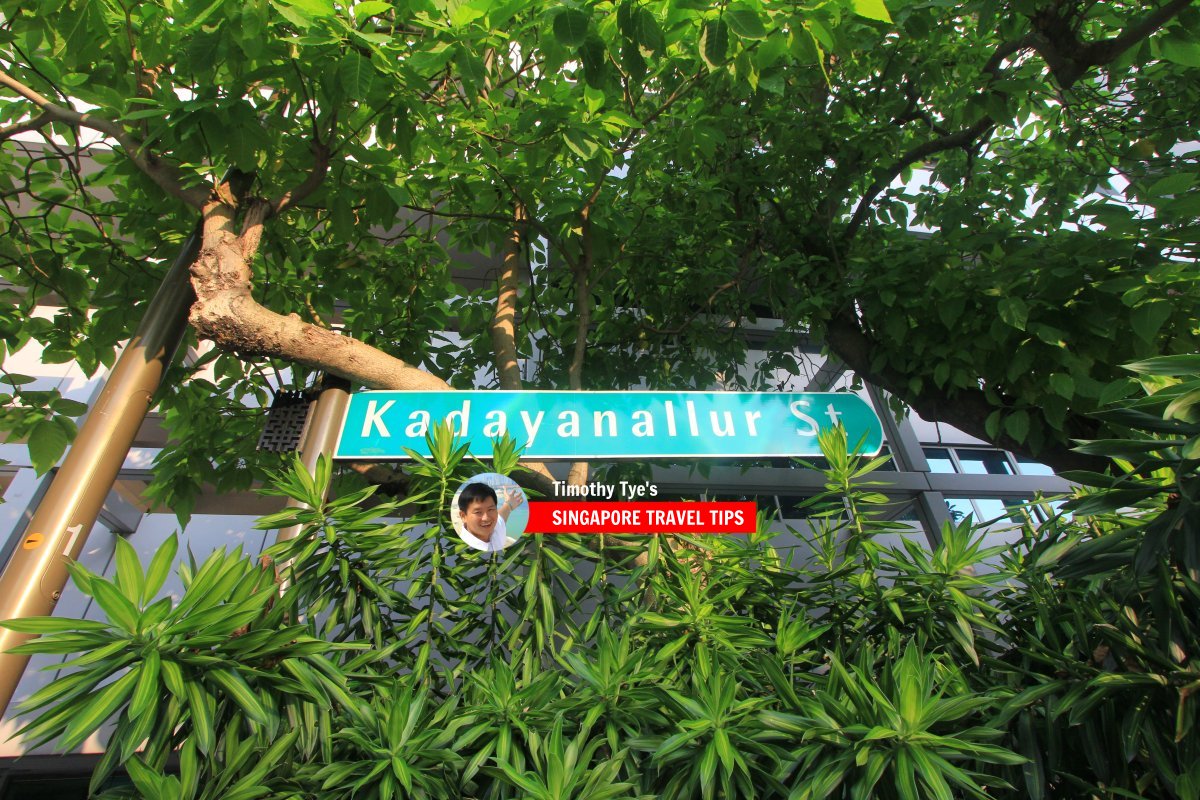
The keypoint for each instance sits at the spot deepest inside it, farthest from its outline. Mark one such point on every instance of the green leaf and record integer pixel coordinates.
(571, 27)
(115, 605)
(356, 75)
(370, 8)
(1062, 384)
(1014, 312)
(1148, 318)
(147, 690)
(714, 43)
(129, 577)
(202, 716)
(160, 567)
(1174, 365)
(315, 9)
(47, 442)
(872, 9)
(992, 424)
(745, 22)
(1184, 407)
(1180, 49)
(236, 687)
(1173, 184)
(52, 625)
(646, 31)
(1017, 424)
(99, 707)
(68, 407)
(579, 143)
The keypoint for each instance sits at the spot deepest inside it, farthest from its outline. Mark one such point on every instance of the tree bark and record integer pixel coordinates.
(226, 312)
(966, 409)
(578, 474)
(504, 319)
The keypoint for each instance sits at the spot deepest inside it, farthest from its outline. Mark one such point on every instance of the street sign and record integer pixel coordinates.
(608, 425)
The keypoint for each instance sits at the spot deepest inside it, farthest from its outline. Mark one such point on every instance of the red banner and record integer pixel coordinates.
(642, 517)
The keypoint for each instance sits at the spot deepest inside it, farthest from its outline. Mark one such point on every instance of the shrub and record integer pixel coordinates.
(370, 658)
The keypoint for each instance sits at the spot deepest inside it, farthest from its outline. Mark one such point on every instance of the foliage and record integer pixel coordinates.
(668, 170)
(372, 658)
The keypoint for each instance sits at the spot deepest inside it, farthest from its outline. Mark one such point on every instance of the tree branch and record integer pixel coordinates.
(1096, 54)
(503, 327)
(951, 141)
(39, 121)
(965, 409)
(315, 177)
(227, 313)
(166, 176)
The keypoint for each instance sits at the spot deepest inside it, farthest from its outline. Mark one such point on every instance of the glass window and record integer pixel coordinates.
(993, 509)
(959, 508)
(984, 462)
(1027, 466)
(939, 460)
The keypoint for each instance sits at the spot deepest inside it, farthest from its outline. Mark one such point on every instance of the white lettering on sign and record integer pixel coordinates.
(600, 417)
(596, 424)
(570, 423)
(419, 426)
(374, 419)
(463, 422)
(496, 424)
(795, 407)
(832, 413)
(532, 425)
(644, 425)
(718, 429)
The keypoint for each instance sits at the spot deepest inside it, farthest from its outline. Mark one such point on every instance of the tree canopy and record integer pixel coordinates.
(983, 207)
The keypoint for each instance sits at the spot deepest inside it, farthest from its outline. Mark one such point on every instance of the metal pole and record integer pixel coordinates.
(320, 436)
(35, 576)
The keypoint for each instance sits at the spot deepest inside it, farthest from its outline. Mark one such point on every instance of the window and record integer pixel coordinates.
(1027, 466)
(984, 462)
(939, 460)
(986, 509)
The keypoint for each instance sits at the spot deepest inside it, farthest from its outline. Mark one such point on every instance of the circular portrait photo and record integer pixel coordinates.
(489, 512)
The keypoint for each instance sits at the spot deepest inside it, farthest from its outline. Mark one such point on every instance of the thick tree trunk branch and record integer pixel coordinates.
(583, 321)
(1069, 59)
(40, 121)
(504, 318)
(166, 176)
(226, 312)
(965, 409)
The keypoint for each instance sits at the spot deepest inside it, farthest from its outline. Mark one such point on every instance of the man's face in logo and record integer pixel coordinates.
(480, 518)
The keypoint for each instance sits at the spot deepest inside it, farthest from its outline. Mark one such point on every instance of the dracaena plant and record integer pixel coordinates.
(901, 731)
(206, 673)
(1102, 629)
(371, 657)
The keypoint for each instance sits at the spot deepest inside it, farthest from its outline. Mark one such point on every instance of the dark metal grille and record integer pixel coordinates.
(286, 421)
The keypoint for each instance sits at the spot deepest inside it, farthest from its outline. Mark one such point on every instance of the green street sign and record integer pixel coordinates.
(608, 425)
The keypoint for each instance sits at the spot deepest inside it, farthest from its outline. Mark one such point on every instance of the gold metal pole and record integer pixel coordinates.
(324, 424)
(35, 576)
